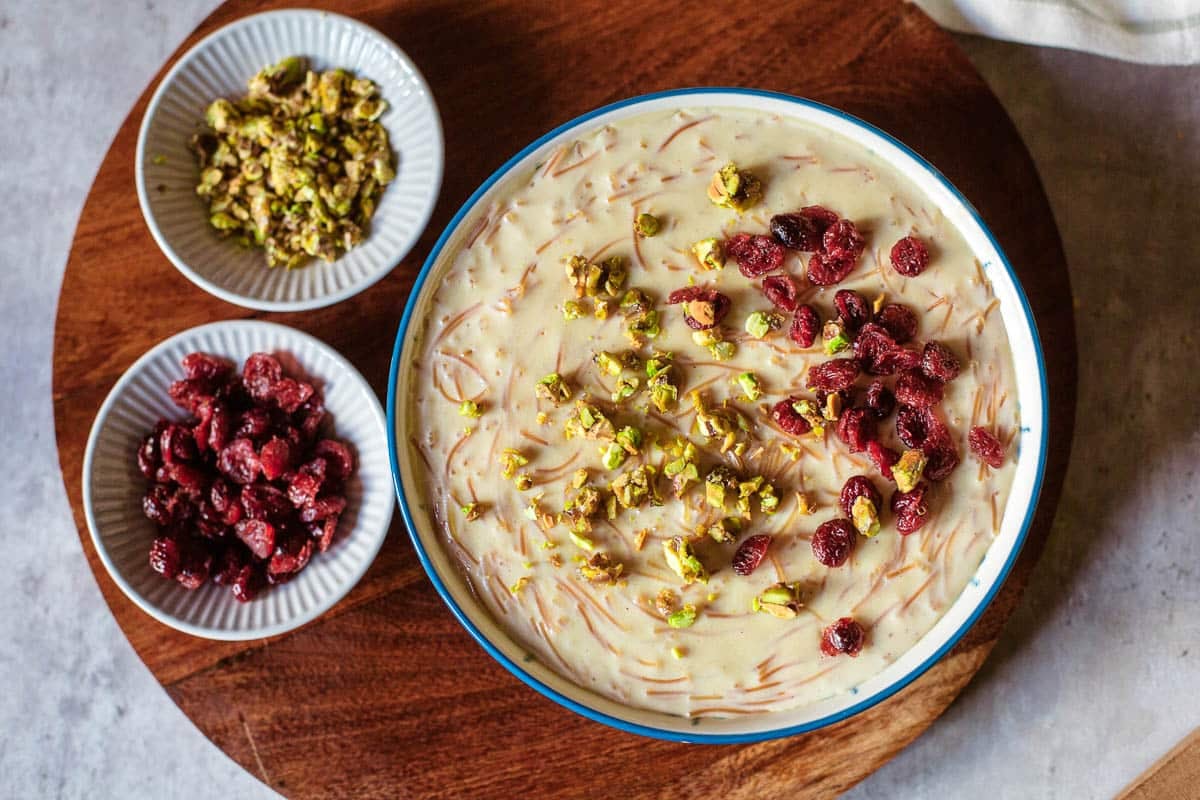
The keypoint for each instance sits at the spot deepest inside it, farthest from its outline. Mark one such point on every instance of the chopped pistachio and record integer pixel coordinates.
(510, 461)
(710, 253)
(768, 500)
(581, 541)
(678, 652)
(590, 279)
(706, 338)
(682, 470)
(746, 490)
(635, 302)
(812, 415)
(572, 309)
(719, 481)
(615, 273)
(683, 618)
(726, 530)
(760, 323)
(779, 600)
(469, 408)
(579, 478)
(544, 519)
(642, 326)
(524, 482)
(833, 406)
(723, 350)
(600, 309)
(663, 393)
(865, 516)
(630, 439)
(908, 469)
(750, 386)
(791, 451)
(608, 363)
(589, 422)
(521, 583)
(553, 388)
(634, 487)
(614, 456)
(471, 512)
(646, 225)
(601, 569)
(835, 337)
(657, 363)
(664, 602)
(733, 188)
(580, 508)
(682, 560)
(625, 388)
(712, 423)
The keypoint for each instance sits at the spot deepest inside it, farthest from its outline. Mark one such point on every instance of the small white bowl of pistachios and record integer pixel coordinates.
(289, 160)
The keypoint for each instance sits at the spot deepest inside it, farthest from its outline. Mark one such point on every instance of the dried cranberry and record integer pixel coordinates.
(909, 508)
(755, 255)
(833, 376)
(940, 453)
(805, 326)
(259, 374)
(323, 533)
(880, 400)
(310, 415)
(290, 394)
(239, 461)
(986, 446)
(338, 459)
(148, 459)
(190, 393)
(176, 444)
(883, 458)
(290, 557)
(870, 344)
(825, 270)
(899, 321)
(912, 425)
(859, 486)
(703, 306)
(322, 508)
(844, 637)
(161, 506)
(189, 479)
(247, 583)
(938, 362)
(852, 308)
(304, 487)
(910, 256)
(843, 242)
(193, 567)
(916, 389)
(258, 535)
(229, 563)
(220, 428)
(750, 554)
(804, 229)
(254, 423)
(205, 367)
(275, 457)
(226, 500)
(833, 541)
(165, 557)
(786, 416)
(263, 501)
(782, 291)
(856, 427)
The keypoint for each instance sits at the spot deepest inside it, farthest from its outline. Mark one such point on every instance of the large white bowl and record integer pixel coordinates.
(219, 66)
(1030, 444)
(113, 486)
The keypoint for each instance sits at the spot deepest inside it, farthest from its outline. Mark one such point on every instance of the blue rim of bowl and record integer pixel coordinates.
(646, 730)
(139, 179)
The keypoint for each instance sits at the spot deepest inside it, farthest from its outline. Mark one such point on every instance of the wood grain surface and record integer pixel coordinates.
(1175, 776)
(386, 696)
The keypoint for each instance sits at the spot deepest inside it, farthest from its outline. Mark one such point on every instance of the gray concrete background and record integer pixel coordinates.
(1095, 676)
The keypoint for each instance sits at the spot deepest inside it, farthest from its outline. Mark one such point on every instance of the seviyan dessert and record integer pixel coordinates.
(714, 412)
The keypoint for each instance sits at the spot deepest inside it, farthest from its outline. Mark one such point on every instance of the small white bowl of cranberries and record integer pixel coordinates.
(236, 481)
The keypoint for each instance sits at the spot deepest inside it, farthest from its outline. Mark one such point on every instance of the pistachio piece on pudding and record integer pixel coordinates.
(733, 188)
(646, 225)
(710, 253)
(469, 408)
(780, 600)
(634, 487)
(865, 516)
(834, 337)
(601, 569)
(908, 470)
(760, 323)
(751, 388)
(683, 618)
(553, 388)
(703, 306)
(682, 560)
(725, 530)
(510, 461)
(471, 511)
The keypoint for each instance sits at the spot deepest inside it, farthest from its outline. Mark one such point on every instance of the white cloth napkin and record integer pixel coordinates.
(1149, 31)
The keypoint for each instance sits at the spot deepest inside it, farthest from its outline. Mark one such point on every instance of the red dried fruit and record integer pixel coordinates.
(856, 427)
(782, 291)
(899, 321)
(802, 230)
(750, 553)
(825, 270)
(323, 508)
(940, 453)
(832, 542)
(202, 366)
(870, 344)
(148, 459)
(883, 458)
(755, 255)
(289, 394)
(239, 461)
(785, 415)
(304, 487)
(291, 557)
(910, 256)
(859, 486)
(843, 242)
(258, 535)
(833, 376)
(254, 423)
(938, 362)
(275, 458)
(880, 400)
(853, 308)
(323, 533)
(259, 374)
(898, 359)
(190, 393)
(338, 459)
(193, 567)
(176, 444)
(909, 508)
(805, 326)
(189, 479)
(229, 563)
(986, 446)
(703, 306)
(220, 428)
(912, 425)
(264, 501)
(916, 389)
(844, 637)
(310, 416)
(164, 557)
(246, 584)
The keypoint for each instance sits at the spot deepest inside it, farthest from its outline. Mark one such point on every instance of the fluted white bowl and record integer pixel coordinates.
(219, 66)
(113, 486)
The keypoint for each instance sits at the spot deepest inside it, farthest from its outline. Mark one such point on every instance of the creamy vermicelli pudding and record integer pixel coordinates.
(712, 411)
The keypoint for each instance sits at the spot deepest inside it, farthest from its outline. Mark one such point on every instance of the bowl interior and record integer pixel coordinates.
(1030, 443)
(113, 486)
(219, 66)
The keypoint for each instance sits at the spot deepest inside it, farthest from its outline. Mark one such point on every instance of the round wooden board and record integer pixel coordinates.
(386, 695)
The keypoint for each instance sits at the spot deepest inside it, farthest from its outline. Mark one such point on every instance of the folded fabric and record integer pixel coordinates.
(1149, 31)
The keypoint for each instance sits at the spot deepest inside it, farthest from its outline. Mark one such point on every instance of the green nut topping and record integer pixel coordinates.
(865, 516)
(469, 408)
(733, 188)
(760, 323)
(834, 335)
(553, 388)
(295, 167)
(683, 618)
(510, 461)
(682, 469)
(630, 439)
(682, 560)
(663, 394)
(646, 225)
(524, 482)
(812, 415)
(471, 511)
(717, 483)
(614, 456)
(779, 600)
(572, 309)
(601, 569)
(634, 487)
(608, 363)
(710, 253)
(626, 387)
(908, 470)
(592, 279)
(590, 423)
(750, 385)
(726, 530)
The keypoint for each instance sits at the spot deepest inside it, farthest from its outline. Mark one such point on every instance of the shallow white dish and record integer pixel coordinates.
(1018, 514)
(219, 66)
(113, 486)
